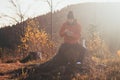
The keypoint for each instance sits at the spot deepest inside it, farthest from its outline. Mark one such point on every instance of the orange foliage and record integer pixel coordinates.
(118, 52)
(36, 40)
(94, 43)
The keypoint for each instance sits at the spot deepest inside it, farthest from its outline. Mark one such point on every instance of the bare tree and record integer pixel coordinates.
(51, 6)
(19, 15)
(16, 7)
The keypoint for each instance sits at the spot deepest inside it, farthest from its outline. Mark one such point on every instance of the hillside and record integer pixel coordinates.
(37, 56)
(97, 14)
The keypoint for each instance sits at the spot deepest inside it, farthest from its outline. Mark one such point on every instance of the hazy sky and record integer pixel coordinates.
(33, 8)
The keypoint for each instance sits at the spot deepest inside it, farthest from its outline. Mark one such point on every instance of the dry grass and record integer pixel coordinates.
(100, 69)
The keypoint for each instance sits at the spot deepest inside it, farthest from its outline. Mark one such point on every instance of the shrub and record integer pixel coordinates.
(35, 40)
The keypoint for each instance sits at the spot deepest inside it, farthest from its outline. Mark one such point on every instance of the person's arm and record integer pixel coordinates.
(77, 34)
(62, 31)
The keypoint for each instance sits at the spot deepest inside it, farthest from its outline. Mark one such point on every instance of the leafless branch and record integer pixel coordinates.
(9, 17)
(13, 3)
(19, 13)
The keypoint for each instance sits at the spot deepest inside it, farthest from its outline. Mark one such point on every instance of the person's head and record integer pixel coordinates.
(70, 17)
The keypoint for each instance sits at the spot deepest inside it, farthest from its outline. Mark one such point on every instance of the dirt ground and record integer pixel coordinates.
(6, 67)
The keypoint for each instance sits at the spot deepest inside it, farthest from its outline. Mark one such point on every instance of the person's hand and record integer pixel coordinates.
(68, 32)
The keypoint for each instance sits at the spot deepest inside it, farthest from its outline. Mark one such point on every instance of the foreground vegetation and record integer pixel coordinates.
(99, 63)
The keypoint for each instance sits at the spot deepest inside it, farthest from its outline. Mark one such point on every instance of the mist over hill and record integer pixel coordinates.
(105, 16)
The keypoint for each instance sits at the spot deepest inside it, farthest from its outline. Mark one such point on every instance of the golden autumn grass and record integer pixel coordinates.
(34, 40)
(111, 65)
(103, 64)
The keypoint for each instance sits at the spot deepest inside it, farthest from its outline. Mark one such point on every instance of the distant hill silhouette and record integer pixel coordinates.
(103, 15)
(10, 36)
